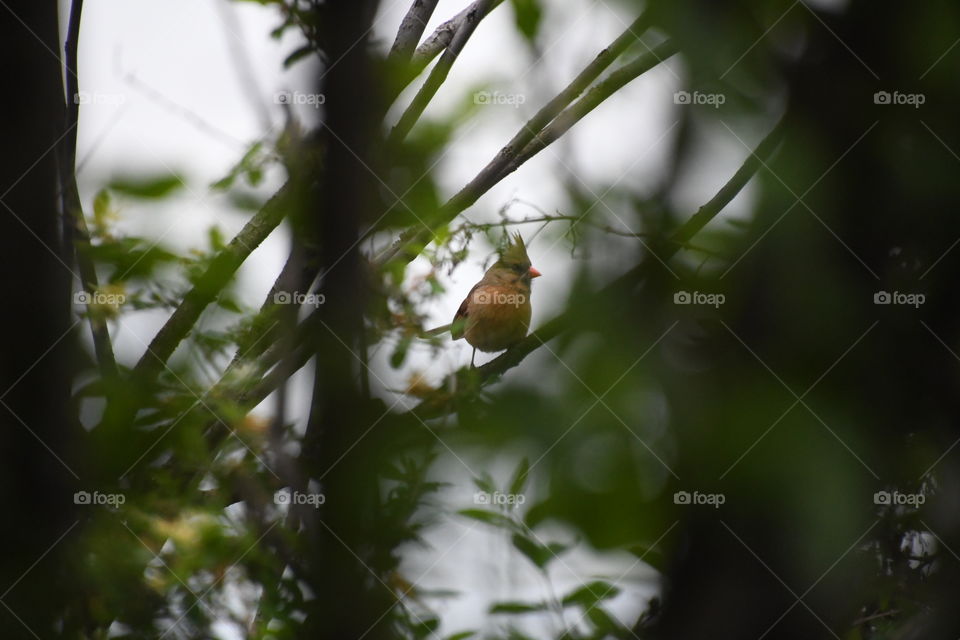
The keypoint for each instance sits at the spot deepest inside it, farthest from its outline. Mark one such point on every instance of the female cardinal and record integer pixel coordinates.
(496, 313)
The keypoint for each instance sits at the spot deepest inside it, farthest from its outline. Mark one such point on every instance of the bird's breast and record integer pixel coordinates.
(497, 318)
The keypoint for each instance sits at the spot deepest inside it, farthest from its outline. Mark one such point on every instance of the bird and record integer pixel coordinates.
(495, 315)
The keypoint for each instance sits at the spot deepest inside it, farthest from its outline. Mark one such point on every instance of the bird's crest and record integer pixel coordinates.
(515, 251)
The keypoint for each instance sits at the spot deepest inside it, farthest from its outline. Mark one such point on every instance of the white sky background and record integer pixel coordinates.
(179, 52)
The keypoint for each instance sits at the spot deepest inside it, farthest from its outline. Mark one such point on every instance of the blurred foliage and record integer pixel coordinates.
(741, 412)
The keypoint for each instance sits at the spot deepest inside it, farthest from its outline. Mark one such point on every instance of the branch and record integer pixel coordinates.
(411, 29)
(546, 218)
(217, 275)
(439, 73)
(256, 341)
(70, 197)
(441, 37)
(495, 169)
(876, 616)
(593, 98)
(441, 401)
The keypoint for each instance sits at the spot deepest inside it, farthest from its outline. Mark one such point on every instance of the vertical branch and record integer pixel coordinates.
(38, 451)
(342, 544)
(76, 234)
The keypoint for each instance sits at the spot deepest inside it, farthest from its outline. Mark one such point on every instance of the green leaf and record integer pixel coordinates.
(591, 593)
(250, 166)
(298, 55)
(101, 206)
(147, 187)
(216, 238)
(539, 554)
(602, 620)
(649, 554)
(485, 483)
(400, 353)
(489, 517)
(426, 628)
(517, 607)
(130, 258)
(520, 477)
(463, 635)
(245, 201)
(229, 304)
(527, 15)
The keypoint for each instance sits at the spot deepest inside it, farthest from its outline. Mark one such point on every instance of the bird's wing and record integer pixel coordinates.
(459, 324)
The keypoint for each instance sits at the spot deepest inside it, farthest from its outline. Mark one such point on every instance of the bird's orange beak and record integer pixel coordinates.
(534, 273)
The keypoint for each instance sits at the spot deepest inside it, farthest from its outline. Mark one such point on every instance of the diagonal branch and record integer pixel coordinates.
(439, 73)
(217, 275)
(590, 101)
(494, 171)
(411, 29)
(525, 141)
(441, 37)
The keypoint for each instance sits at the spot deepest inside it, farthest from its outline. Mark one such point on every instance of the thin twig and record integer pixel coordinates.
(546, 218)
(238, 53)
(875, 616)
(189, 116)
